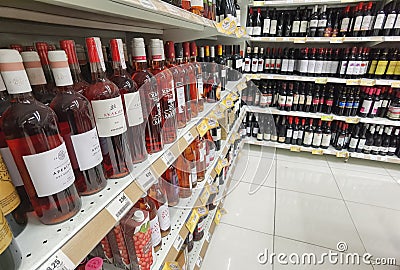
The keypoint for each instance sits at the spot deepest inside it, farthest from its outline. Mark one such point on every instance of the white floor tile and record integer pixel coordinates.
(306, 178)
(355, 164)
(378, 228)
(302, 157)
(288, 246)
(234, 248)
(374, 189)
(256, 170)
(252, 211)
(257, 150)
(313, 219)
(393, 170)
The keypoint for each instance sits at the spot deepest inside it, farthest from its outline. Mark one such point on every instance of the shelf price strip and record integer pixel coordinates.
(178, 242)
(146, 179)
(317, 152)
(58, 261)
(205, 195)
(188, 137)
(168, 158)
(192, 221)
(119, 206)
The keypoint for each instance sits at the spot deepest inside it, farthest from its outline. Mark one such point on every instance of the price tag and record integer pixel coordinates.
(148, 4)
(119, 206)
(188, 137)
(192, 221)
(352, 120)
(373, 157)
(234, 96)
(199, 261)
(299, 40)
(202, 128)
(168, 158)
(205, 195)
(336, 40)
(218, 216)
(327, 117)
(353, 82)
(232, 139)
(178, 242)
(367, 82)
(295, 148)
(395, 84)
(171, 266)
(241, 86)
(213, 189)
(240, 32)
(146, 179)
(342, 154)
(224, 162)
(227, 102)
(172, 9)
(317, 152)
(321, 80)
(208, 237)
(58, 261)
(218, 168)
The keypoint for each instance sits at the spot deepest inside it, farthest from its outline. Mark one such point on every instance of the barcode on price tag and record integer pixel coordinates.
(146, 179)
(119, 206)
(178, 243)
(168, 157)
(188, 137)
(59, 261)
(199, 261)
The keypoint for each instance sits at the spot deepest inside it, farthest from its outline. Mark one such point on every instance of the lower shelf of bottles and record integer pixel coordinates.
(325, 117)
(332, 40)
(319, 151)
(72, 240)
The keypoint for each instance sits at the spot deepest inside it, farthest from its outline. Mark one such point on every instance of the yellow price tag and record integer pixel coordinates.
(295, 148)
(218, 168)
(192, 221)
(232, 139)
(224, 162)
(218, 216)
(321, 80)
(367, 82)
(317, 152)
(205, 195)
(228, 102)
(212, 122)
(395, 84)
(336, 40)
(342, 154)
(352, 120)
(353, 82)
(202, 128)
(327, 117)
(299, 40)
(240, 32)
(171, 266)
(234, 96)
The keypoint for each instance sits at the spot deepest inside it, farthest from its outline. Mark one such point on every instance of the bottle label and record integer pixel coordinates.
(326, 139)
(247, 65)
(311, 66)
(266, 27)
(343, 67)
(367, 148)
(9, 199)
(289, 101)
(318, 67)
(391, 18)
(87, 149)
(397, 23)
(372, 67)
(16, 80)
(200, 226)
(361, 144)
(317, 139)
(321, 23)
(353, 143)
(180, 97)
(291, 65)
(200, 84)
(193, 175)
(257, 31)
(223, 73)
(133, 107)
(357, 23)
(301, 99)
(340, 141)
(249, 30)
(309, 100)
(381, 67)
(384, 149)
(155, 231)
(196, 3)
(278, 63)
(375, 149)
(163, 217)
(35, 73)
(350, 68)
(391, 67)
(379, 21)
(334, 66)
(289, 133)
(296, 27)
(285, 65)
(366, 106)
(238, 18)
(303, 66)
(260, 65)
(295, 135)
(239, 63)
(11, 166)
(377, 105)
(300, 134)
(254, 65)
(392, 149)
(272, 29)
(6, 235)
(109, 116)
(345, 24)
(303, 26)
(259, 136)
(281, 100)
(308, 136)
(366, 22)
(314, 23)
(267, 136)
(55, 176)
(296, 99)
(255, 130)
(61, 73)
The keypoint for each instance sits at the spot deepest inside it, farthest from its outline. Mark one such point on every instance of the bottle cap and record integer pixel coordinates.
(93, 54)
(138, 50)
(59, 66)
(42, 48)
(186, 49)
(117, 51)
(138, 216)
(33, 68)
(170, 49)
(162, 50)
(193, 48)
(13, 72)
(17, 47)
(95, 263)
(69, 47)
(178, 51)
(29, 49)
(156, 53)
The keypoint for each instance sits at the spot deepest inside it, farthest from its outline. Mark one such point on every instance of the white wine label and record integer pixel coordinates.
(267, 23)
(155, 231)
(16, 81)
(11, 166)
(180, 97)
(163, 217)
(36, 75)
(50, 171)
(87, 149)
(200, 85)
(109, 116)
(379, 21)
(133, 107)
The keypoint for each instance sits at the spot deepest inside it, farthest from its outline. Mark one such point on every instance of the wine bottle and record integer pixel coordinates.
(390, 19)
(358, 15)
(317, 139)
(379, 21)
(313, 23)
(322, 21)
(37, 147)
(367, 20)
(257, 24)
(42, 49)
(384, 150)
(326, 136)
(300, 134)
(289, 130)
(288, 25)
(304, 22)
(274, 24)
(10, 254)
(159, 198)
(266, 24)
(376, 146)
(369, 141)
(196, 89)
(394, 142)
(249, 24)
(308, 134)
(254, 60)
(280, 25)
(296, 23)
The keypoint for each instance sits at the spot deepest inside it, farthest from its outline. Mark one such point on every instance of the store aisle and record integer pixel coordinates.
(296, 203)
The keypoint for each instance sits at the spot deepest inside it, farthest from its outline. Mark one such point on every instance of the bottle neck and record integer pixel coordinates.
(65, 89)
(76, 72)
(97, 71)
(157, 64)
(118, 69)
(140, 66)
(22, 98)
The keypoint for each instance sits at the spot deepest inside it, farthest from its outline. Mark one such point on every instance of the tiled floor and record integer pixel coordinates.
(297, 203)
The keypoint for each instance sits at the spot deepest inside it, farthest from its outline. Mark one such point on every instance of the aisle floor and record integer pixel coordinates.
(296, 203)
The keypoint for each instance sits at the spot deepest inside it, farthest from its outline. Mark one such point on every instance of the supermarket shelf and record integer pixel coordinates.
(75, 238)
(332, 40)
(325, 117)
(180, 213)
(318, 151)
(285, 3)
(324, 80)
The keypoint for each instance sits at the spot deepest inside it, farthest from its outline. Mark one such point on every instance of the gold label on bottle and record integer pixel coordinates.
(391, 67)
(372, 67)
(381, 67)
(6, 235)
(9, 199)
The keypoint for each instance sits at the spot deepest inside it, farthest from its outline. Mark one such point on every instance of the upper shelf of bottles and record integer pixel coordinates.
(285, 3)
(142, 16)
(331, 40)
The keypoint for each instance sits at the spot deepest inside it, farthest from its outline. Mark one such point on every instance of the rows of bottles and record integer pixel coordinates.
(133, 242)
(309, 132)
(63, 136)
(347, 63)
(338, 99)
(359, 20)
(216, 10)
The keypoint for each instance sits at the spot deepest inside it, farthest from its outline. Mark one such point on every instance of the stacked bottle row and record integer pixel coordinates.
(309, 132)
(363, 19)
(347, 63)
(363, 101)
